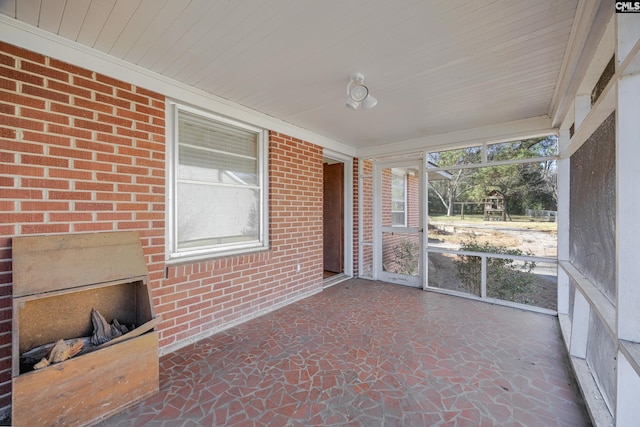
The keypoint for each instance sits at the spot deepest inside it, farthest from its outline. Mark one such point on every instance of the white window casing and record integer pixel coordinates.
(217, 201)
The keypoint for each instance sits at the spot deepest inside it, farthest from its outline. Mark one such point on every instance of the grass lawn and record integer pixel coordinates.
(517, 221)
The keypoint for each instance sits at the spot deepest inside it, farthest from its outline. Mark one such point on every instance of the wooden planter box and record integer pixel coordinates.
(57, 280)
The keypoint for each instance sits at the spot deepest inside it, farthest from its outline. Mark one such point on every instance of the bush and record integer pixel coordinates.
(406, 257)
(506, 279)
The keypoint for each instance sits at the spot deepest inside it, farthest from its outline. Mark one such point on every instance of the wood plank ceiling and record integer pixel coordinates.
(435, 66)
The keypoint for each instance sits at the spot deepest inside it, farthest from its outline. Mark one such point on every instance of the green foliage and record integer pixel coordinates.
(506, 279)
(524, 185)
(407, 257)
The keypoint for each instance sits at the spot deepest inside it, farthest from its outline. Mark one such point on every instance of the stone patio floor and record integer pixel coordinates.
(366, 353)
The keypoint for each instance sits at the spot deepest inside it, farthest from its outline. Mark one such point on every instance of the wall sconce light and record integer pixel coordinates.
(358, 94)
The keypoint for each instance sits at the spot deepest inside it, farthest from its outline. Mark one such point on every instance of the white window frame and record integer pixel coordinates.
(404, 177)
(175, 255)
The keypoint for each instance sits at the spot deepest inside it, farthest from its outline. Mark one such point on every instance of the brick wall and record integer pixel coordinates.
(81, 152)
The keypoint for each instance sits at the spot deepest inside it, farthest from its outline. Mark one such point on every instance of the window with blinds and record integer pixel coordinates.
(219, 178)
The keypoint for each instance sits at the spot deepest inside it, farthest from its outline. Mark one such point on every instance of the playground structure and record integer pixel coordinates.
(494, 206)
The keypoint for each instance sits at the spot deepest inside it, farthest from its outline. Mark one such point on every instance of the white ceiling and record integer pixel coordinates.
(435, 66)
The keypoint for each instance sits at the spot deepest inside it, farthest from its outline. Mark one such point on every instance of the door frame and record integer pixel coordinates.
(347, 161)
(378, 271)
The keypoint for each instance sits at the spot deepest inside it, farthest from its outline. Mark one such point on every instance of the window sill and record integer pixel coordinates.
(190, 259)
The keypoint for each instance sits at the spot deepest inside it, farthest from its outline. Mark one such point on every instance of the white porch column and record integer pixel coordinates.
(563, 221)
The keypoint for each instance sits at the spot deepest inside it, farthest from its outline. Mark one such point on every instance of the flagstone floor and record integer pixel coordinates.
(366, 353)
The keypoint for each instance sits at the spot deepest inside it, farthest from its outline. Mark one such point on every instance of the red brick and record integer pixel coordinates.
(149, 128)
(70, 153)
(132, 170)
(112, 177)
(131, 207)
(7, 60)
(44, 71)
(43, 206)
(69, 195)
(150, 111)
(8, 133)
(114, 197)
(151, 164)
(20, 123)
(152, 146)
(68, 130)
(7, 109)
(9, 85)
(94, 186)
(115, 120)
(21, 147)
(150, 180)
(133, 188)
(93, 206)
(148, 93)
(92, 125)
(113, 101)
(113, 82)
(71, 111)
(13, 98)
(132, 97)
(72, 69)
(13, 74)
(94, 146)
(92, 105)
(132, 225)
(44, 161)
(44, 228)
(21, 170)
(132, 133)
(70, 173)
(92, 85)
(133, 152)
(114, 158)
(44, 116)
(20, 217)
(45, 93)
(69, 89)
(7, 205)
(92, 166)
(138, 117)
(70, 216)
(44, 183)
(115, 216)
(93, 226)
(113, 139)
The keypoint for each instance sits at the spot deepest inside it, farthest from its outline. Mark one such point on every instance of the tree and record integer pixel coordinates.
(448, 191)
(522, 184)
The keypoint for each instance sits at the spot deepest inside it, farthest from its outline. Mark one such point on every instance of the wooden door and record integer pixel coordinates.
(333, 217)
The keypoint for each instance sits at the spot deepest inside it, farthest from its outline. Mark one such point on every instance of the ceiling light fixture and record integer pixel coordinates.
(358, 94)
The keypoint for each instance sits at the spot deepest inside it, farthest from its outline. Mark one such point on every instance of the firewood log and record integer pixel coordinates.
(60, 352)
(102, 330)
